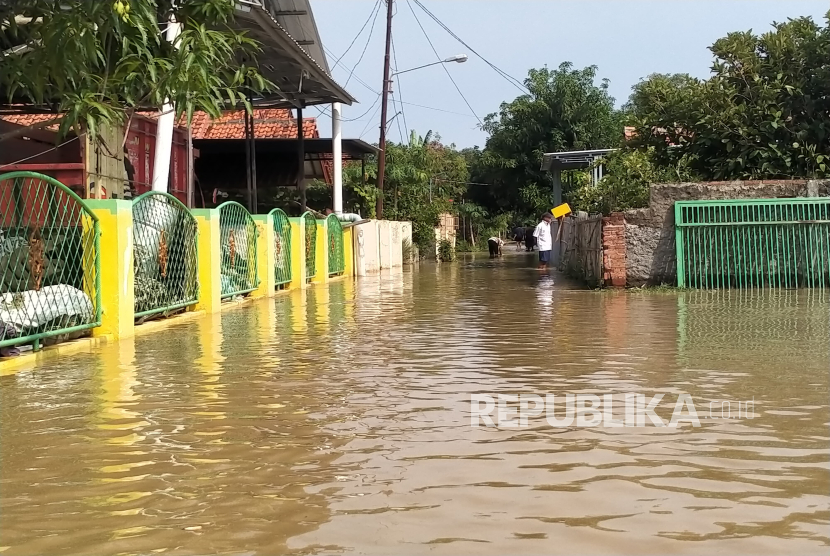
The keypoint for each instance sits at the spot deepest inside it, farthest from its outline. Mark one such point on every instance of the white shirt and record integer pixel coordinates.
(542, 235)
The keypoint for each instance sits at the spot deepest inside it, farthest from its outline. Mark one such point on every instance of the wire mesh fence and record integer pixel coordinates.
(761, 243)
(337, 263)
(310, 244)
(49, 262)
(164, 254)
(238, 237)
(282, 247)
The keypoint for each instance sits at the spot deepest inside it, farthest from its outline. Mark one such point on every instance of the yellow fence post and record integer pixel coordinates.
(210, 260)
(266, 257)
(115, 218)
(321, 253)
(298, 273)
(348, 251)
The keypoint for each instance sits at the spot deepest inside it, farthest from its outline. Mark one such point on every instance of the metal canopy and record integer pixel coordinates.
(297, 66)
(572, 160)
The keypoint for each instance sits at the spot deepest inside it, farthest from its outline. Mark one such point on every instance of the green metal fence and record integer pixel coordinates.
(282, 247)
(337, 264)
(238, 237)
(164, 254)
(310, 244)
(764, 243)
(50, 264)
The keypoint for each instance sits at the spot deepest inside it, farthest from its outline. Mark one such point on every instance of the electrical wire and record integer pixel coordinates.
(400, 91)
(371, 119)
(365, 47)
(372, 15)
(438, 56)
(509, 78)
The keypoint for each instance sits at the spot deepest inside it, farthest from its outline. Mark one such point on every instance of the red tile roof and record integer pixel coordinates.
(27, 120)
(269, 123)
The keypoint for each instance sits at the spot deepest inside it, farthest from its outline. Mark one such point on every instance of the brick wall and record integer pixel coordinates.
(613, 250)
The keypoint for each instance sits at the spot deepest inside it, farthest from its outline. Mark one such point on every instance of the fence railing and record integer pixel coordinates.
(282, 247)
(164, 254)
(337, 263)
(310, 244)
(238, 243)
(759, 243)
(50, 266)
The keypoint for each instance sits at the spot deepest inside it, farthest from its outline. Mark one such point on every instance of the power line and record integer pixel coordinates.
(372, 15)
(400, 92)
(438, 56)
(510, 79)
(365, 47)
(368, 123)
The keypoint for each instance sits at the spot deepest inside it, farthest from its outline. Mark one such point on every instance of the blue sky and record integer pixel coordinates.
(626, 39)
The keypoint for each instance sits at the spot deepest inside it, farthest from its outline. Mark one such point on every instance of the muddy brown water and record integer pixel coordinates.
(337, 420)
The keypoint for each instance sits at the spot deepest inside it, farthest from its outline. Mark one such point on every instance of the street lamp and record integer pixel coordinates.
(458, 59)
(387, 82)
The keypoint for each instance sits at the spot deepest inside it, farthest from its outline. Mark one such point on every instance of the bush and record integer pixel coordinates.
(446, 252)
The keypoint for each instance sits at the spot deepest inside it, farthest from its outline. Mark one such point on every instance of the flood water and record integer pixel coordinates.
(337, 420)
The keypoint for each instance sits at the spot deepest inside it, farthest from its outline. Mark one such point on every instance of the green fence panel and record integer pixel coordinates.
(164, 254)
(759, 243)
(337, 262)
(238, 237)
(310, 244)
(50, 263)
(282, 247)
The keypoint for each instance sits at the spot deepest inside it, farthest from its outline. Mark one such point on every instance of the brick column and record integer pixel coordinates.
(613, 250)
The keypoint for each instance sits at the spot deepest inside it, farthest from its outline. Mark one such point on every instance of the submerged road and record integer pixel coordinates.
(338, 420)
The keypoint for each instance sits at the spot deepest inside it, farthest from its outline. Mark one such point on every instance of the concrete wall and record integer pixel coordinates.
(650, 251)
(377, 246)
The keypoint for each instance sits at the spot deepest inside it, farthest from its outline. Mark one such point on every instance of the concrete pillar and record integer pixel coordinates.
(396, 245)
(337, 153)
(321, 250)
(209, 261)
(115, 218)
(385, 243)
(165, 125)
(348, 251)
(266, 256)
(298, 273)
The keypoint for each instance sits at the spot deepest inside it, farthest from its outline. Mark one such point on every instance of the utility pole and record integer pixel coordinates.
(383, 110)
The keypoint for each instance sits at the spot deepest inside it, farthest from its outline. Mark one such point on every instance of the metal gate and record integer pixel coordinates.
(164, 254)
(763, 243)
(50, 264)
(238, 237)
(337, 264)
(282, 247)
(310, 244)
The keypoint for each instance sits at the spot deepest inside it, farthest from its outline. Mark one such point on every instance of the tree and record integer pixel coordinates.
(565, 109)
(95, 62)
(764, 113)
(424, 179)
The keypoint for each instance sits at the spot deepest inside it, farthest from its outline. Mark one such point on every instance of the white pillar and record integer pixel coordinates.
(164, 129)
(337, 153)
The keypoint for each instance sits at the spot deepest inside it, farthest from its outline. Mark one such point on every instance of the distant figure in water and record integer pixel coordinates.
(518, 236)
(544, 239)
(530, 240)
(495, 244)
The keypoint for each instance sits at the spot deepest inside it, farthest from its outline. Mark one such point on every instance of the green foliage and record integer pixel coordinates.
(625, 184)
(446, 252)
(96, 61)
(764, 113)
(424, 179)
(565, 109)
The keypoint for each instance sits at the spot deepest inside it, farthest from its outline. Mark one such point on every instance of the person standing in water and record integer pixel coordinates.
(544, 240)
(495, 244)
